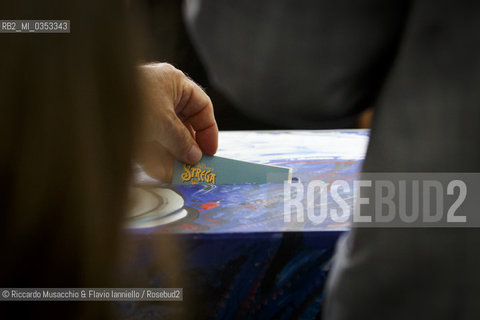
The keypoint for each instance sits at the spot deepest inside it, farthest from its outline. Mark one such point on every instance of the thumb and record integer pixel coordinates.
(178, 140)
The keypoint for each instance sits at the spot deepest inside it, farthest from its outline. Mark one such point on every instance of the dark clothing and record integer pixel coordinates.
(297, 64)
(427, 119)
(419, 62)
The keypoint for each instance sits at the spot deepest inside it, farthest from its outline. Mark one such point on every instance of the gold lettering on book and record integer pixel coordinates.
(196, 175)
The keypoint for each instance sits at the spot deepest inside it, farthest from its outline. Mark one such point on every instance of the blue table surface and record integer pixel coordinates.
(234, 255)
(325, 155)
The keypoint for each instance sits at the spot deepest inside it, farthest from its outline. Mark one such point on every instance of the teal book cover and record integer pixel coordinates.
(218, 170)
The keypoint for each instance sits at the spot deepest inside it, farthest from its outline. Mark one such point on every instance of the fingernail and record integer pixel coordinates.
(194, 154)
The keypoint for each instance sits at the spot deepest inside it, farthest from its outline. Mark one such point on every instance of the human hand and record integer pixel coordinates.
(179, 122)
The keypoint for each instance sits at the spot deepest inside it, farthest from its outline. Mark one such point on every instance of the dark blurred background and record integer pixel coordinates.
(171, 43)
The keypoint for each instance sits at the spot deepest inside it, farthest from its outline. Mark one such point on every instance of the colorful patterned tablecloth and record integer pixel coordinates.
(231, 249)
